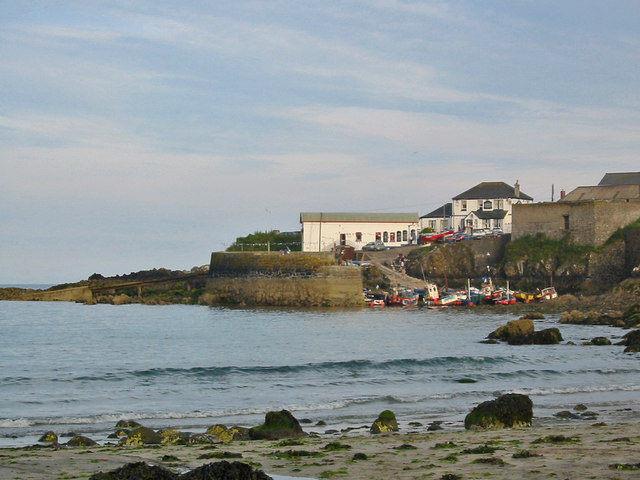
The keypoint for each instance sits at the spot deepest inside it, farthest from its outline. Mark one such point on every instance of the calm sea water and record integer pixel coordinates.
(71, 367)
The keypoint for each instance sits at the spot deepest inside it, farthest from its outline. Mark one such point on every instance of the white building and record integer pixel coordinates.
(487, 205)
(437, 221)
(322, 232)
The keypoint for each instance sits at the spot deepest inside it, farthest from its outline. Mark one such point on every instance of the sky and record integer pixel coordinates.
(145, 134)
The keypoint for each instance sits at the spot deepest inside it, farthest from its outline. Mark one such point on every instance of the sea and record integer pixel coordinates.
(74, 368)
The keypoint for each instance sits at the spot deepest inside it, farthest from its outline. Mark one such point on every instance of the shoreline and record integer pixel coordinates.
(595, 450)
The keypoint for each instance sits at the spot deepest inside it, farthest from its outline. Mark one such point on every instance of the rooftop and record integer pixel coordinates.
(488, 190)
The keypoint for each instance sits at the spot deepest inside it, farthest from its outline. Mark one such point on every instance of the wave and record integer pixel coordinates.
(353, 367)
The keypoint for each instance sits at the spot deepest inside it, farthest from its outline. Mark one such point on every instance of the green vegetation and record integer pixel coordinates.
(539, 247)
(621, 232)
(264, 241)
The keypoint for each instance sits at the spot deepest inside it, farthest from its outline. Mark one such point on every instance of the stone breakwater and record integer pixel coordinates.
(300, 280)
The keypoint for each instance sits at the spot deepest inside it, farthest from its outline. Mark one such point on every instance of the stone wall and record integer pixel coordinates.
(312, 283)
(588, 222)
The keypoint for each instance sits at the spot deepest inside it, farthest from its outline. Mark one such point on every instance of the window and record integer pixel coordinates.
(398, 236)
(392, 237)
(358, 236)
(385, 237)
(405, 235)
(464, 206)
(567, 223)
(487, 205)
(378, 236)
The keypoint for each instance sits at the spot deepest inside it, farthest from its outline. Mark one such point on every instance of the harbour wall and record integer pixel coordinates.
(271, 279)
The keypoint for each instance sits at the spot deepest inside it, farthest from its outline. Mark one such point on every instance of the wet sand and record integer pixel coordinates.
(582, 451)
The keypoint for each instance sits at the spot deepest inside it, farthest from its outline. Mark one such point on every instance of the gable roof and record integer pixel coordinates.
(358, 217)
(490, 214)
(441, 212)
(623, 178)
(491, 190)
(603, 192)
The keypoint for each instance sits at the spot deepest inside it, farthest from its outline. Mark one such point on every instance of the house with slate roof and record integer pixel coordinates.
(487, 205)
(323, 231)
(439, 220)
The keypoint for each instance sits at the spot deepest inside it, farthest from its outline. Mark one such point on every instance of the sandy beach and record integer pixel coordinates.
(596, 451)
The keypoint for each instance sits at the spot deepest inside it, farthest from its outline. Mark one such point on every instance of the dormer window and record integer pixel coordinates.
(487, 205)
(464, 206)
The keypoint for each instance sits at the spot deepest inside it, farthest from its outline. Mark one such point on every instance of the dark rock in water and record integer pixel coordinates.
(136, 471)
(225, 471)
(331, 431)
(566, 414)
(48, 437)
(600, 341)
(632, 341)
(581, 407)
(81, 441)
(548, 336)
(514, 328)
(434, 426)
(277, 425)
(321, 423)
(386, 422)
(589, 415)
(306, 420)
(127, 424)
(510, 410)
(142, 436)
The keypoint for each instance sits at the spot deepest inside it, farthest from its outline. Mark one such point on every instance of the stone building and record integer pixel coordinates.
(588, 215)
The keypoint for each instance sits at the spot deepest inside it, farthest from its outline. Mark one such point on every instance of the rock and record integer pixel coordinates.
(514, 328)
(136, 471)
(632, 341)
(386, 422)
(81, 441)
(600, 341)
(566, 414)
(581, 407)
(174, 437)
(548, 336)
(227, 435)
(225, 471)
(49, 437)
(533, 316)
(127, 424)
(510, 410)
(277, 425)
(202, 439)
(142, 436)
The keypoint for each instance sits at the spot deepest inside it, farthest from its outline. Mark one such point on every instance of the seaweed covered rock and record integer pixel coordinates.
(513, 329)
(174, 437)
(225, 471)
(142, 436)
(136, 471)
(506, 411)
(276, 426)
(48, 437)
(227, 435)
(386, 422)
(81, 441)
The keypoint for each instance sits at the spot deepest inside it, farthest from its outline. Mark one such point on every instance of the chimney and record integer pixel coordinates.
(516, 190)
(562, 194)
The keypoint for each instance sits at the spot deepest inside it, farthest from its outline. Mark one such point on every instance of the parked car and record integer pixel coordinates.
(497, 232)
(374, 246)
(479, 233)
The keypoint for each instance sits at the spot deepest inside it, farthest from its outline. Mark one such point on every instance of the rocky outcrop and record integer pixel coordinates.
(521, 332)
(386, 422)
(48, 437)
(510, 410)
(137, 471)
(276, 426)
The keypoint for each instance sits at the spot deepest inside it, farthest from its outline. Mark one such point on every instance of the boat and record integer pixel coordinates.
(548, 293)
